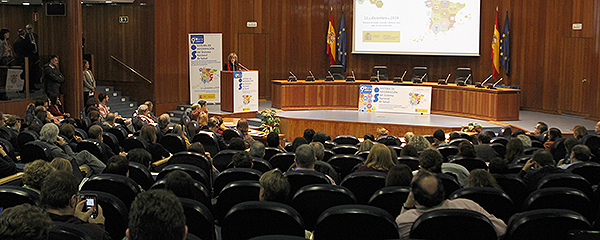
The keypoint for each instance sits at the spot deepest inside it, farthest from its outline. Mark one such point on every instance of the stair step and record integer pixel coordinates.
(114, 94)
(183, 107)
(105, 88)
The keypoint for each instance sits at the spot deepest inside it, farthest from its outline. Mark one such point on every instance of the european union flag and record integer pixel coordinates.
(341, 42)
(505, 46)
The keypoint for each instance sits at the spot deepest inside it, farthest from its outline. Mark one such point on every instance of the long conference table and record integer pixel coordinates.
(499, 104)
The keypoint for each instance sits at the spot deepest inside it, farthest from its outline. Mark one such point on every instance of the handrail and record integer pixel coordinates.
(131, 69)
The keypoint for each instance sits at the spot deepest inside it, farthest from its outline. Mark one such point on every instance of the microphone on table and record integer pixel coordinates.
(329, 77)
(494, 85)
(292, 78)
(351, 78)
(463, 82)
(311, 77)
(239, 64)
(444, 82)
(483, 83)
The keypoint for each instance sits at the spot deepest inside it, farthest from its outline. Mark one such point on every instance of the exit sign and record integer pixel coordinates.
(123, 19)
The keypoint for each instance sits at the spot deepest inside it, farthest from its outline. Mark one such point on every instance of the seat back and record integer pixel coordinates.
(456, 141)
(494, 201)
(261, 165)
(357, 222)
(195, 172)
(364, 184)
(387, 198)
(588, 170)
(173, 143)
(418, 73)
(344, 164)
(68, 231)
(115, 212)
(282, 160)
(453, 224)
(141, 175)
(389, 140)
(363, 154)
(230, 133)
(513, 186)
(11, 196)
(198, 219)
(345, 149)
(450, 184)
(448, 151)
(9, 149)
(328, 154)
(593, 142)
(301, 178)
(133, 142)
(209, 141)
(558, 149)
(232, 175)
(234, 193)
(120, 186)
(270, 151)
(561, 198)
(329, 144)
(499, 148)
(501, 140)
(10, 135)
(275, 218)
(198, 192)
(566, 180)
(412, 162)
(119, 131)
(197, 159)
(312, 200)
(35, 150)
(223, 158)
(81, 133)
(346, 139)
(555, 222)
(471, 163)
(530, 151)
(112, 141)
(93, 146)
(26, 136)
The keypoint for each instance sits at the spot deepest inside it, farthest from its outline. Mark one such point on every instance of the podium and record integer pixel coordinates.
(239, 91)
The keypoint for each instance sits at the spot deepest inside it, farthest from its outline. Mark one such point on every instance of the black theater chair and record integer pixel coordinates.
(198, 218)
(209, 142)
(11, 196)
(555, 223)
(448, 151)
(141, 175)
(35, 150)
(257, 218)
(112, 141)
(494, 201)
(270, 151)
(345, 163)
(387, 198)
(133, 142)
(120, 186)
(223, 158)
(68, 231)
(195, 172)
(312, 200)
(357, 222)
(301, 178)
(412, 162)
(282, 160)
(364, 184)
(174, 143)
(513, 186)
(94, 147)
(561, 198)
(346, 139)
(345, 149)
(115, 212)
(198, 192)
(234, 193)
(197, 159)
(453, 224)
(232, 175)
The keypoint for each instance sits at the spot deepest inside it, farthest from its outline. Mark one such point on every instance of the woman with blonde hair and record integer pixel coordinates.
(180, 130)
(148, 132)
(378, 160)
(419, 142)
(34, 174)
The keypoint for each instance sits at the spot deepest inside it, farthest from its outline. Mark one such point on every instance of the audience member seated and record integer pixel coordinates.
(580, 154)
(274, 187)
(213, 125)
(553, 135)
(543, 165)
(408, 136)
(94, 117)
(181, 184)
(369, 136)
(102, 108)
(7, 166)
(381, 131)
(321, 137)
(197, 148)
(308, 134)
(61, 164)
(453, 135)
(569, 144)
(378, 160)
(202, 121)
(194, 111)
(95, 132)
(243, 126)
(483, 148)
(143, 114)
(242, 160)
(14, 123)
(426, 194)
(273, 141)
(305, 160)
(158, 152)
(56, 108)
(409, 150)
(24, 222)
(163, 123)
(399, 175)
(482, 178)
(579, 131)
(466, 149)
(540, 128)
(110, 120)
(59, 148)
(60, 197)
(498, 165)
(514, 148)
(433, 161)
(141, 156)
(150, 108)
(526, 140)
(419, 142)
(117, 165)
(439, 138)
(297, 142)
(156, 214)
(34, 174)
(237, 143)
(68, 131)
(179, 130)
(366, 145)
(44, 117)
(323, 167)
(257, 150)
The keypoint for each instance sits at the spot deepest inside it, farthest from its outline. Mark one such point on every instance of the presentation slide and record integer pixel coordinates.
(417, 27)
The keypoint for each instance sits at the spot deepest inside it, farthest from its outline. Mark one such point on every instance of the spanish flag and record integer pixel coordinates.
(331, 40)
(496, 48)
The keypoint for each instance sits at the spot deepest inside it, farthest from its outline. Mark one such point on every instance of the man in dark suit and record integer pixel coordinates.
(543, 164)
(21, 48)
(34, 56)
(52, 76)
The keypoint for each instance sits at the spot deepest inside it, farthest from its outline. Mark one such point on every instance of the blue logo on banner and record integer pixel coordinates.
(194, 47)
(237, 75)
(376, 98)
(376, 89)
(197, 39)
(240, 85)
(366, 88)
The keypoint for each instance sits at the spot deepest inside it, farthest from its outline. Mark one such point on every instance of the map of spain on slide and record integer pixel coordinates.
(443, 14)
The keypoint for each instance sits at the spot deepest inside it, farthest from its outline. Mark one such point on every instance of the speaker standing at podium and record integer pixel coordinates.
(232, 64)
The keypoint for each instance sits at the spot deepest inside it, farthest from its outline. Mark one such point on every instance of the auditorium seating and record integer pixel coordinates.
(327, 154)
(68, 231)
(363, 154)
(282, 160)
(456, 141)
(197, 159)
(9, 149)
(329, 144)
(234, 193)
(499, 148)
(448, 151)
(470, 163)
(500, 139)
(35, 150)
(513, 186)
(209, 142)
(345, 163)
(198, 219)
(346, 140)
(230, 133)
(588, 170)
(545, 224)
(364, 184)
(120, 186)
(412, 162)
(119, 131)
(134, 142)
(301, 178)
(112, 141)
(593, 143)
(93, 146)
(566, 180)
(174, 143)
(261, 165)
(270, 151)
(26, 136)
(257, 218)
(450, 184)
(561, 198)
(494, 201)
(141, 175)
(389, 199)
(115, 212)
(345, 149)
(11, 196)
(234, 174)
(453, 224)
(396, 149)
(223, 158)
(312, 200)
(355, 222)
(195, 172)
(198, 193)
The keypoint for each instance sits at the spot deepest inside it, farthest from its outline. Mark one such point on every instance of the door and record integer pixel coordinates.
(577, 82)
